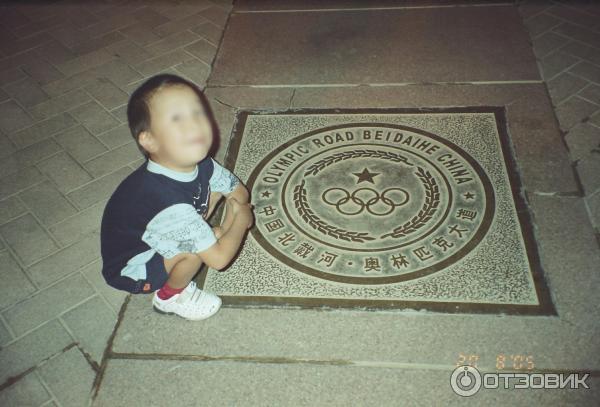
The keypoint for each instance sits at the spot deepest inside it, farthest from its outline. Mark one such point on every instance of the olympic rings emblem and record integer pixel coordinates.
(361, 203)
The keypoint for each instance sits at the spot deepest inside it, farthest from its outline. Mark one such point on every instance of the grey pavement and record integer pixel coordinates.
(66, 71)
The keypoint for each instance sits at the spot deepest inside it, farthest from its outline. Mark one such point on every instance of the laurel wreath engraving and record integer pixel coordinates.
(432, 198)
(345, 155)
(307, 214)
(432, 201)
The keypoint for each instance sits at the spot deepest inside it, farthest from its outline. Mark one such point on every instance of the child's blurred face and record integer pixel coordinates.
(179, 125)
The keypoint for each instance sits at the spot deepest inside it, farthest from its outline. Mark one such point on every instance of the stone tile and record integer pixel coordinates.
(70, 377)
(548, 42)
(556, 62)
(591, 93)
(215, 15)
(211, 32)
(203, 50)
(564, 85)
(43, 130)
(13, 117)
(27, 92)
(573, 111)
(76, 227)
(356, 54)
(29, 156)
(194, 70)
(575, 16)
(41, 71)
(541, 23)
(66, 173)
(593, 204)
(579, 33)
(11, 208)
(582, 139)
(7, 147)
(583, 51)
(588, 168)
(109, 161)
(80, 143)
(118, 72)
(84, 62)
(16, 286)
(95, 118)
(140, 34)
(55, 52)
(10, 184)
(160, 63)
(99, 189)
(5, 337)
(28, 391)
(587, 70)
(59, 104)
(171, 42)
(116, 137)
(92, 323)
(66, 261)
(239, 382)
(11, 74)
(28, 351)
(47, 203)
(114, 297)
(48, 303)
(291, 5)
(176, 24)
(105, 92)
(120, 113)
(130, 52)
(28, 239)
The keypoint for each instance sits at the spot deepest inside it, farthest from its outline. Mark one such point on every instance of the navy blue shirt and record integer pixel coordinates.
(158, 210)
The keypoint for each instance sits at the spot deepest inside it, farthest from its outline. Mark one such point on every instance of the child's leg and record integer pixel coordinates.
(182, 269)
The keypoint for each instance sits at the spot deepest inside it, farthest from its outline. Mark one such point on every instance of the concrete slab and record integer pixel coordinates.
(346, 47)
(401, 208)
(154, 382)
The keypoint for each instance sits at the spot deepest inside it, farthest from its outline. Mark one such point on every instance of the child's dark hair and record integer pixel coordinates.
(138, 107)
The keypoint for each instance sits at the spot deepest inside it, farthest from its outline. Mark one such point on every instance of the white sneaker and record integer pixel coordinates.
(192, 303)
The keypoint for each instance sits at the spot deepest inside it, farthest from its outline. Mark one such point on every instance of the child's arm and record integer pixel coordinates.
(220, 254)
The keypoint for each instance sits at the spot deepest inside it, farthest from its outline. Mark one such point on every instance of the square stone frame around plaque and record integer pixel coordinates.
(545, 307)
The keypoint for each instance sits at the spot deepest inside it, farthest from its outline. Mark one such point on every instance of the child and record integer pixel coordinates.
(154, 236)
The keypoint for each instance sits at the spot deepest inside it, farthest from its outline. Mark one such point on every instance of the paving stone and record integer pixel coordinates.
(11, 208)
(579, 33)
(183, 23)
(66, 173)
(591, 93)
(587, 70)
(28, 156)
(195, 70)
(120, 113)
(16, 285)
(324, 54)
(26, 92)
(48, 303)
(55, 52)
(128, 51)
(28, 391)
(109, 161)
(80, 143)
(95, 118)
(249, 383)
(593, 204)
(588, 168)
(541, 23)
(84, 62)
(171, 42)
(556, 62)
(92, 323)
(5, 336)
(106, 93)
(582, 139)
(99, 189)
(209, 31)
(59, 104)
(574, 110)
(47, 203)
(140, 34)
(583, 51)
(70, 377)
(573, 15)
(28, 239)
(7, 147)
(66, 260)
(548, 42)
(114, 297)
(76, 227)
(564, 85)
(13, 117)
(160, 63)
(33, 348)
(27, 177)
(43, 130)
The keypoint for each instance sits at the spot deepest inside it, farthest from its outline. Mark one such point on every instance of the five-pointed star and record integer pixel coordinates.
(266, 193)
(469, 195)
(365, 175)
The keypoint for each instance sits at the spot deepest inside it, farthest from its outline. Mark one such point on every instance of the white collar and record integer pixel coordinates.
(155, 167)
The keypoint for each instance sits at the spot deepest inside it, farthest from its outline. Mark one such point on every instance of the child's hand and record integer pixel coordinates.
(218, 230)
(241, 209)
